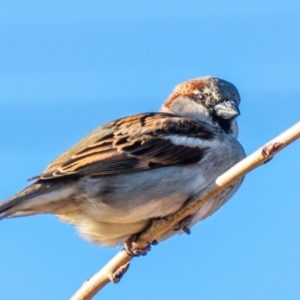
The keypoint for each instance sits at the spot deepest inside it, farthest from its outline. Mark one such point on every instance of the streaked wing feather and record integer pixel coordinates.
(132, 144)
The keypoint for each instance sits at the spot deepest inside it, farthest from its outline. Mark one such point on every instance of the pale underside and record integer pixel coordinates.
(122, 175)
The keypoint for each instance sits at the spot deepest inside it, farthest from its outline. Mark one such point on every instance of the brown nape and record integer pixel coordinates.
(170, 99)
(186, 89)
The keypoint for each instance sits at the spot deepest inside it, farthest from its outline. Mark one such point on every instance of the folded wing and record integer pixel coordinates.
(135, 143)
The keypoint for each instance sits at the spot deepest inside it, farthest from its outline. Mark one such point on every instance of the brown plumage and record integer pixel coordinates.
(131, 144)
(120, 176)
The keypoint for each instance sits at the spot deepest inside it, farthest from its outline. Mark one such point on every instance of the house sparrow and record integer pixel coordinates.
(129, 171)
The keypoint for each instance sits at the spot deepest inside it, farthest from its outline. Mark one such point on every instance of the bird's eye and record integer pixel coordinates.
(200, 96)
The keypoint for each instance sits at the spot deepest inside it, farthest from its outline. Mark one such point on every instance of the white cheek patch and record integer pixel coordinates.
(191, 141)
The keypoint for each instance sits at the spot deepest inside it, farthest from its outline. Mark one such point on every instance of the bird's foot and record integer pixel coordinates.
(128, 245)
(118, 274)
(183, 225)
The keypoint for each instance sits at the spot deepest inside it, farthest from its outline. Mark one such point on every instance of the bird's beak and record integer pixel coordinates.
(227, 109)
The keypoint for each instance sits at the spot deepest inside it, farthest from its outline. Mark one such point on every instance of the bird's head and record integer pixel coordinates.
(208, 99)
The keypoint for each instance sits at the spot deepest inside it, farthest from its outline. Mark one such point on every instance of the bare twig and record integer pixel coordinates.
(159, 227)
(101, 278)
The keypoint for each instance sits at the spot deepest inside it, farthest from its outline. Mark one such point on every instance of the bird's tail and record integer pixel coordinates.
(39, 197)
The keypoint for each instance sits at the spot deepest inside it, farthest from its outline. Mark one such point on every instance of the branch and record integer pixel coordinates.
(161, 226)
(93, 285)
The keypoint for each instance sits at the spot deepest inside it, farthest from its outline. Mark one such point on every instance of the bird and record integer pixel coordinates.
(129, 171)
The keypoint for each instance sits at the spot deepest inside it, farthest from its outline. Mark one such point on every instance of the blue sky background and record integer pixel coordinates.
(68, 66)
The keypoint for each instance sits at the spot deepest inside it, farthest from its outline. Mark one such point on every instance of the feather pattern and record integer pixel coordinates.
(131, 170)
(132, 144)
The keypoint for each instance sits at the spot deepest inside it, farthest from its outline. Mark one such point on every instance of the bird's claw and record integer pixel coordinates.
(118, 274)
(183, 225)
(131, 251)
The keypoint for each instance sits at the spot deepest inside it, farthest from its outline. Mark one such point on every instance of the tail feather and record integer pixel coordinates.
(7, 206)
(40, 197)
